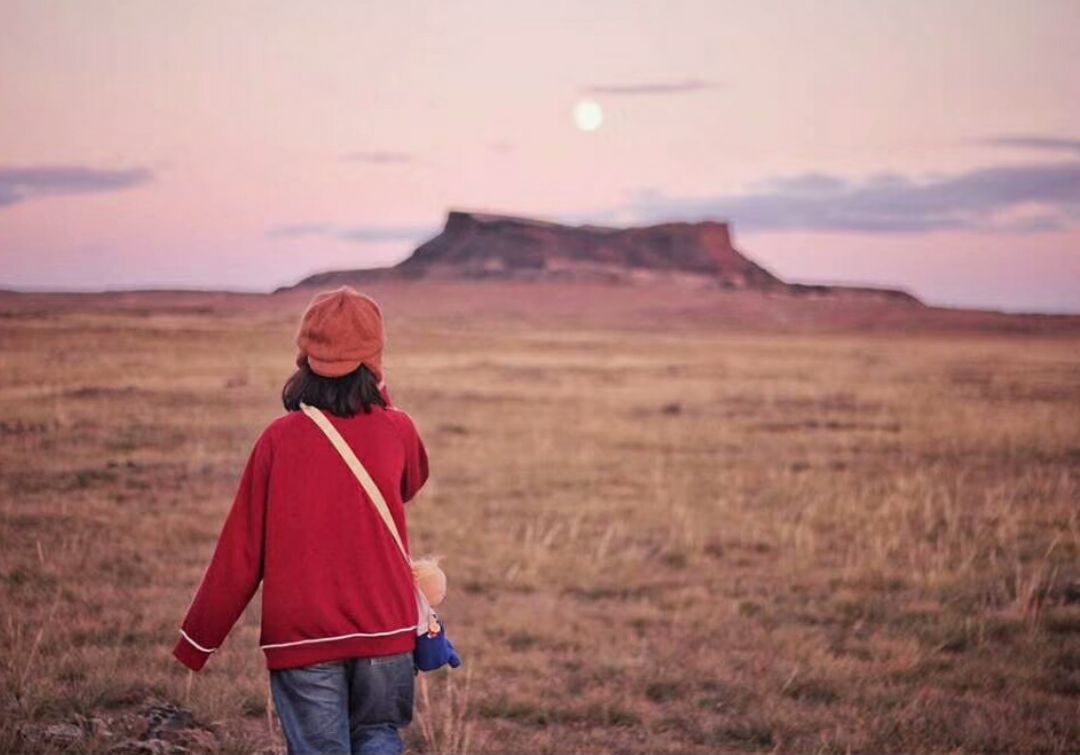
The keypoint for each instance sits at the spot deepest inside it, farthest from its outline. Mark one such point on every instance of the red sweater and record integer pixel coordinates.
(334, 582)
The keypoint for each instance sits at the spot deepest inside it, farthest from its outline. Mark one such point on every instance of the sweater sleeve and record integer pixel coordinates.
(415, 473)
(235, 569)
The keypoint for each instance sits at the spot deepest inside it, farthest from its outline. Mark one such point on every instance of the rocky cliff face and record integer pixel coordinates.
(480, 245)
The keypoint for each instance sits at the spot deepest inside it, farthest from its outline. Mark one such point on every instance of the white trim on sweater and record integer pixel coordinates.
(197, 645)
(409, 628)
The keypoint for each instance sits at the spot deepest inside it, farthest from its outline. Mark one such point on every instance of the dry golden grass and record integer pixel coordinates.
(659, 540)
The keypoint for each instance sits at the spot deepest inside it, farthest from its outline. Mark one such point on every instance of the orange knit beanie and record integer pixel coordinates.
(339, 331)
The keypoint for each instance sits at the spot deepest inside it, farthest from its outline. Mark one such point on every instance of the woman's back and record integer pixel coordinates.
(332, 569)
(335, 584)
(339, 608)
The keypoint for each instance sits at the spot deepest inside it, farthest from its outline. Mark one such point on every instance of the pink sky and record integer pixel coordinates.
(930, 145)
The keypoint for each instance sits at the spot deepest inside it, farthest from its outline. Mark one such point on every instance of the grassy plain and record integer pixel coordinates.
(676, 533)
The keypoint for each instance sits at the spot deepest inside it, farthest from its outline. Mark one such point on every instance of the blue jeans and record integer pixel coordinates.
(345, 707)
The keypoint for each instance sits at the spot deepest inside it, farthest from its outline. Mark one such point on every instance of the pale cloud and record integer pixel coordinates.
(686, 86)
(19, 184)
(378, 157)
(979, 199)
(371, 234)
(1035, 142)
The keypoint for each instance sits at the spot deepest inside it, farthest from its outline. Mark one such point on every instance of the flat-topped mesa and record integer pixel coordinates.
(502, 247)
(487, 245)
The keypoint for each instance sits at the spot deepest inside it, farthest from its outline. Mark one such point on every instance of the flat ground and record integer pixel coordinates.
(673, 521)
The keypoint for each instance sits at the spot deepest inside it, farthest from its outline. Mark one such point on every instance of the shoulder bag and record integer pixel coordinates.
(431, 652)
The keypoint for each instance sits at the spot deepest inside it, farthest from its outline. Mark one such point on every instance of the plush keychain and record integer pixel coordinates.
(433, 647)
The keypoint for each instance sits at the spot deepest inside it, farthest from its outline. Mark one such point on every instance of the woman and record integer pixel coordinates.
(339, 611)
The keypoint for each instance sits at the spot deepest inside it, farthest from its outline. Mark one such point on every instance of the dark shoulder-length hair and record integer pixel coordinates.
(344, 396)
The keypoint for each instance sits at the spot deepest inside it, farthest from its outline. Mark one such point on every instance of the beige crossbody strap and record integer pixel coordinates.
(357, 469)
